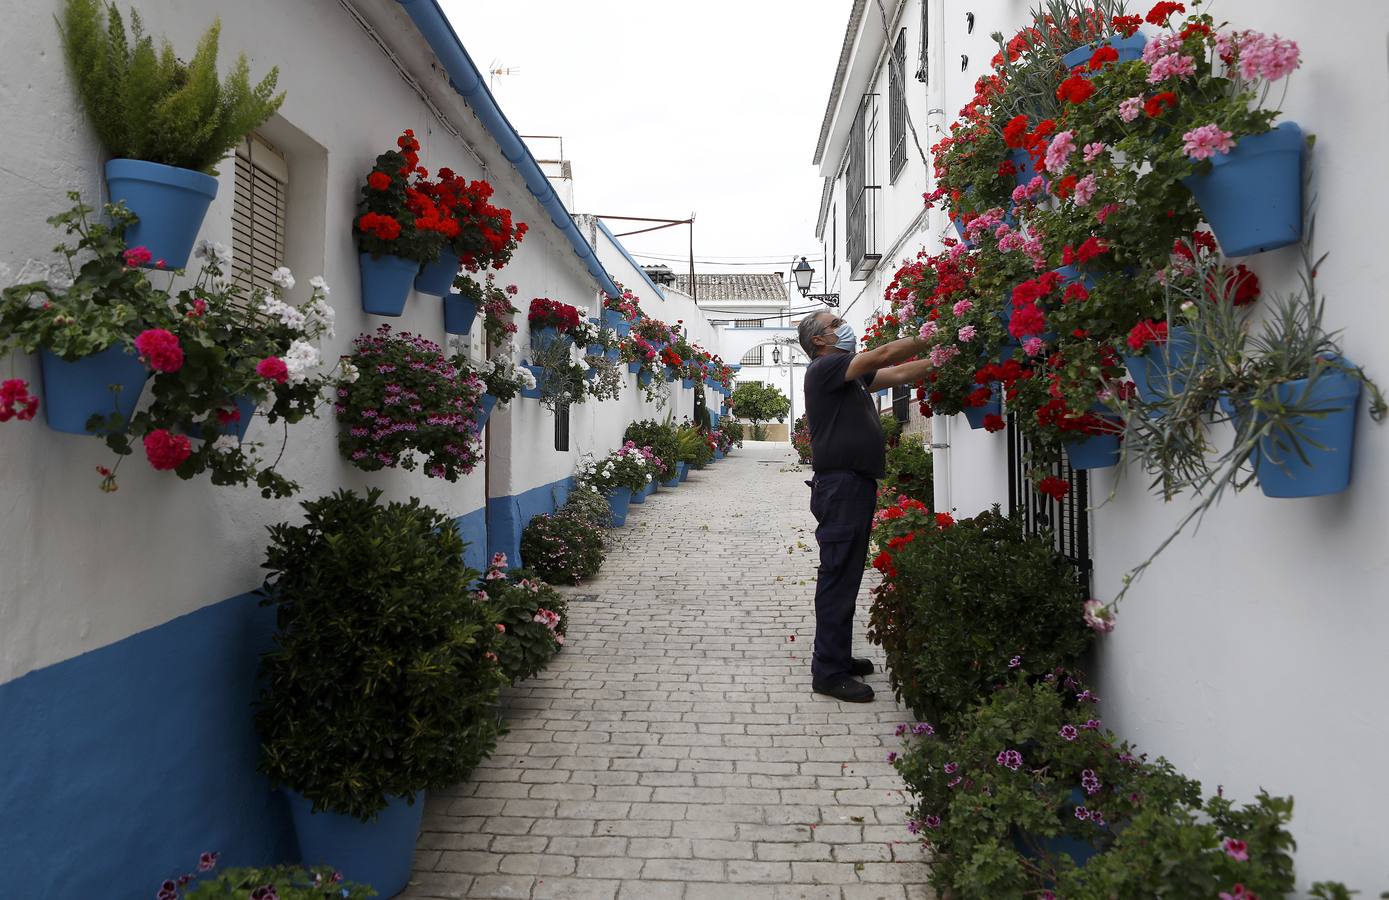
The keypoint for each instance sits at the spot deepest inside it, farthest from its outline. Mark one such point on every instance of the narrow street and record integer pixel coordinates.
(674, 749)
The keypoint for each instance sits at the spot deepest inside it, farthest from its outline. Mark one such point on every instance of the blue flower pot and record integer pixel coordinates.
(644, 378)
(1070, 275)
(542, 339)
(975, 414)
(673, 480)
(379, 853)
(1252, 195)
(485, 405)
(668, 372)
(459, 314)
(684, 469)
(386, 282)
(594, 350)
(634, 368)
(437, 277)
(614, 320)
(590, 374)
(651, 487)
(687, 383)
(718, 454)
(210, 430)
(73, 392)
(613, 355)
(171, 203)
(639, 496)
(619, 501)
(534, 393)
(1328, 444)
(1022, 162)
(1164, 367)
(1098, 451)
(1080, 852)
(1130, 48)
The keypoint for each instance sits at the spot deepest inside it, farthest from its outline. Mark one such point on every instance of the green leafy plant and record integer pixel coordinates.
(758, 403)
(627, 466)
(909, 472)
(560, 379)
(530, 618)
(382, 681)
(503, 378)
(1014, 795)
(892, 428)
(1231, 379)
(732, 433)
(264, 883)
(660, 437)
(800, 440)
(148, 104)
(562, 547)
(958, 600)
(690, 446)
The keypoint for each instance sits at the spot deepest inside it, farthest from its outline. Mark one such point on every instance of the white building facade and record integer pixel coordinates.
(129, 630)
(1251, 653)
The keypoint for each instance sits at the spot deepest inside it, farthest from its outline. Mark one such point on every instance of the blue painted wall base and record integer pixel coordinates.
(507, 516)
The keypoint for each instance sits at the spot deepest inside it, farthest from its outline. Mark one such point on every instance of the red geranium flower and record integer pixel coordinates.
(1145, 333)
(1102, 57)
(1246, 286)
(1127, 25)
(378, 181)
(387, 228)
(994, 422)
(1159, 103)
(166, 450)
(160, 349)
(1053, 487)
(1015, 132)
(272, 368)
(1076, 89)
(1161, 12)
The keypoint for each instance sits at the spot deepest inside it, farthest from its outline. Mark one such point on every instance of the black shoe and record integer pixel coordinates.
(861, 667)
(843, 687)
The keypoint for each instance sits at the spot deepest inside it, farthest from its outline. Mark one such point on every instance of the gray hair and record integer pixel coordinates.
(810, 327)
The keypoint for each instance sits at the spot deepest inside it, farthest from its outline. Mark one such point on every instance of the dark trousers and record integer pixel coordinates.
(843, 503)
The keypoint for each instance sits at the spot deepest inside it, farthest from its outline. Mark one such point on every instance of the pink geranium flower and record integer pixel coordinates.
(1059, 152)
(1207, 141)
(1130, 108)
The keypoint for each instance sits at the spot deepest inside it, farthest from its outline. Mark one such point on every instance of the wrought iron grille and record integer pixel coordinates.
(1068, 520)
(861, 227)
(897, 107)
(901, 402)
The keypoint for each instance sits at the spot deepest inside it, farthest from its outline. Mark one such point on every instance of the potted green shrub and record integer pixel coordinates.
(382, 682)
(563, 547)
(958, 600)
(618, 477)
(660, 439)
(167, 122)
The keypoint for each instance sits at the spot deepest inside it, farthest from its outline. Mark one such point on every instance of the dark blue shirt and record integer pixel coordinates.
(845, 431)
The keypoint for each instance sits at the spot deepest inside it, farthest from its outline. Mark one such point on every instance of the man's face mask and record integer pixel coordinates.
(845, 339)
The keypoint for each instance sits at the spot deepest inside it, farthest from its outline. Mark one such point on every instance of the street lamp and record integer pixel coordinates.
(776, 356)
(804, 272)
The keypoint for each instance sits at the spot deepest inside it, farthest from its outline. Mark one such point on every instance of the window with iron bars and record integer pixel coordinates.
(753, 357)
(897, 107)
(1067, 520)
(923, 72)
(861, 227)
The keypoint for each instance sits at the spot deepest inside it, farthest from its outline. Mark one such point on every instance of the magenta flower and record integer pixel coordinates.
(901, 729)
(962, 307)
(1069, 732)
(921, 728)
(1236, 850)
(1173, 65)
(1082, 813)
(951, 768)
(966, 334)
(1098, 616)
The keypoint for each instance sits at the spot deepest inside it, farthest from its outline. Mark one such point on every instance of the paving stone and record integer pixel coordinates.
(674, 749)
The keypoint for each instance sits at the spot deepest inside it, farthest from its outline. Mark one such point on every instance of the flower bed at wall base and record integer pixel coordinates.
(1028, 795)
(528, 615)
(568, 545)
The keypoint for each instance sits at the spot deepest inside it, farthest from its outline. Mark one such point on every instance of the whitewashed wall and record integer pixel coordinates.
(1251, 654)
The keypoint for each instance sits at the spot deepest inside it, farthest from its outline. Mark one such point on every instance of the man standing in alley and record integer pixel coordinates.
(849, 455)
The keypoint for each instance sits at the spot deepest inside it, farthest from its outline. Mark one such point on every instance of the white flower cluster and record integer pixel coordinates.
(301, 359)
(348, 373)
(313, 320)
(212, 250)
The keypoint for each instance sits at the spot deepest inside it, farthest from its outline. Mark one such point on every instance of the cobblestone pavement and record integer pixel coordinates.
(674, 748)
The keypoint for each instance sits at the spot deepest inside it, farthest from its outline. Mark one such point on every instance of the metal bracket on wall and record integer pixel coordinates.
(964, 61)
(969, 23)
(939, 446)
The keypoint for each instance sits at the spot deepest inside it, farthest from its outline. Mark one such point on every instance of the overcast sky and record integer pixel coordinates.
(669, 108)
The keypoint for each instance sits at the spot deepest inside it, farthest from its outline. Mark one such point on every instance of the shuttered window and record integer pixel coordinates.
(258, 213)
(897, 107)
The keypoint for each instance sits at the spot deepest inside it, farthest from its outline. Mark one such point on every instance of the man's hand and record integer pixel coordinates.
(879, 358)
(908, 373)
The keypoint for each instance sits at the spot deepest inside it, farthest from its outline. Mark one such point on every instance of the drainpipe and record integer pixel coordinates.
(940, 462)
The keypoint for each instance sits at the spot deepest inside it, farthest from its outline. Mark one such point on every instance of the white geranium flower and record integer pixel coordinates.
(271, 306)
(293, 318)
(226, 442)
(283, 277)
(527, 378)
(319, 284)
(350, 373)
(300, 358)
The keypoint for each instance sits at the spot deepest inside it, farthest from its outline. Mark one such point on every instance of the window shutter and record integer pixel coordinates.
(258, 214)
